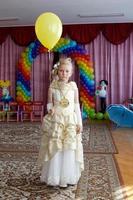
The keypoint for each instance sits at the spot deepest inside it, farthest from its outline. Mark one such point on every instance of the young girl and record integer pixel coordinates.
(61, 151)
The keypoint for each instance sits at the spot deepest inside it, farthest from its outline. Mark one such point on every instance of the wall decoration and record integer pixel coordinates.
(4, 94)
(69, 48)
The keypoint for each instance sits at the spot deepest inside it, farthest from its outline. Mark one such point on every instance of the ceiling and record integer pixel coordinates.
(25, 12)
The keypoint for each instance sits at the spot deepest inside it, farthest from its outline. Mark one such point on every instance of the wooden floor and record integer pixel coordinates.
(123, 138)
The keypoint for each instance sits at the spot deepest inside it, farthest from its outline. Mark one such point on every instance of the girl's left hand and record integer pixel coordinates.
(79, 129)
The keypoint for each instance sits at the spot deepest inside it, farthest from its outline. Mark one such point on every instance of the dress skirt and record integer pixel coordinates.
(61, 150)
(61, 170)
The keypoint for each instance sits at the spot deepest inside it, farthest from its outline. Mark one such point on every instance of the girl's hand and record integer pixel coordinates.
(51, 111)
(79, 128)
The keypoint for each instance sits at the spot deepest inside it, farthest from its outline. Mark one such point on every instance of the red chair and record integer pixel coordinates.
(26, 113)
(13, 112)
(2, 112)
(38, 111)
(128, 102)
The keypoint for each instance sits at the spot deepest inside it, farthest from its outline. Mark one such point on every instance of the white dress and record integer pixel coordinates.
(61, 150)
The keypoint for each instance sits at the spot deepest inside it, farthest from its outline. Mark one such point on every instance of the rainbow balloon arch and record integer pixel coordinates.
(70, 48)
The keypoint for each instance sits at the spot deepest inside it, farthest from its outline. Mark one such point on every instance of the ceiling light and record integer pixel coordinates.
(9, 19)
(101, 15)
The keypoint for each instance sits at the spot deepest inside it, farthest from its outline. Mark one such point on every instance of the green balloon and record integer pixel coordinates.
(106, 115)
(92, 110)
(99, 115)
(92, 115)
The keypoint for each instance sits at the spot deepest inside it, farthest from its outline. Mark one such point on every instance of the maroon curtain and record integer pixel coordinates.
(113, 63)
(22, 36)
(82, 33)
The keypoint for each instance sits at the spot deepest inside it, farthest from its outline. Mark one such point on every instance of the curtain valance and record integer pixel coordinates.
(82, 33)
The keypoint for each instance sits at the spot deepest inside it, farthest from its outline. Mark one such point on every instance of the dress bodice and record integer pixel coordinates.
(63, 90)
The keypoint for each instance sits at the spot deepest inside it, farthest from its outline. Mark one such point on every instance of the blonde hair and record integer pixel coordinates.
(62, 61)
(65, 61)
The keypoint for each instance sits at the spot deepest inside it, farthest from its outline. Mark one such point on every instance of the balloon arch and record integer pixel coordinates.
(69, 48)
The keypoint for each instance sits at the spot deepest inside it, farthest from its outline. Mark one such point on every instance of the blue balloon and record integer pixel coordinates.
(84, 115)
(32, 45)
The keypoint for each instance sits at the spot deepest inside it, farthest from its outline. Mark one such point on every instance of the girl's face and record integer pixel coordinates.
(65, 72)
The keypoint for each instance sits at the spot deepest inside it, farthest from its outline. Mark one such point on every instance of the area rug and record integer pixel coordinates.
(100, 179)
(19, 174)
(24, 137)
(100, 138)
(20, 180)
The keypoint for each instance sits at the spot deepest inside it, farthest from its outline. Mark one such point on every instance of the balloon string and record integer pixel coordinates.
(49, 56)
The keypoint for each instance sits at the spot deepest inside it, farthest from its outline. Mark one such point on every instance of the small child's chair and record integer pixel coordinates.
(38, 111)
(26, 113)
(2, 112)
(13, 112)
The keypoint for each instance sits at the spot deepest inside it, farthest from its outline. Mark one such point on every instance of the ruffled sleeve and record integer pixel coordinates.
(52, 85)
(73, 85)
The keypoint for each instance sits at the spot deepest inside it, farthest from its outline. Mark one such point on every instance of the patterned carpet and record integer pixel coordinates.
(19, 144)
(100, 140)
(100, 180)
(24, 137)
(20, 180)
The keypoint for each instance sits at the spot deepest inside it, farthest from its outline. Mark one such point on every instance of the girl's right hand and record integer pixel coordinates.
(79, 129)
(51, 111)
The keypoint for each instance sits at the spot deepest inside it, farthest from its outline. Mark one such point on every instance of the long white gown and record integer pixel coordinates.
(61, 150)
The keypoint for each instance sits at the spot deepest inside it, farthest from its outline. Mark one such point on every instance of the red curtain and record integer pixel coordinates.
(22, 36)
(82, 33)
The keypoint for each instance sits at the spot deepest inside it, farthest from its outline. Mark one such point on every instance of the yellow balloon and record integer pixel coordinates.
(48, 29)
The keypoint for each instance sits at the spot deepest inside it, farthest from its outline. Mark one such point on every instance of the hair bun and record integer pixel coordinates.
(69, 59)
(65, 61)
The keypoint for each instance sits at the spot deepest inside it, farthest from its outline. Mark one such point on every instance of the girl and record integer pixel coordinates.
(61, 151)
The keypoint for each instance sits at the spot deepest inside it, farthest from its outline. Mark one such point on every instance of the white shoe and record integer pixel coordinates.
(63, 185)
